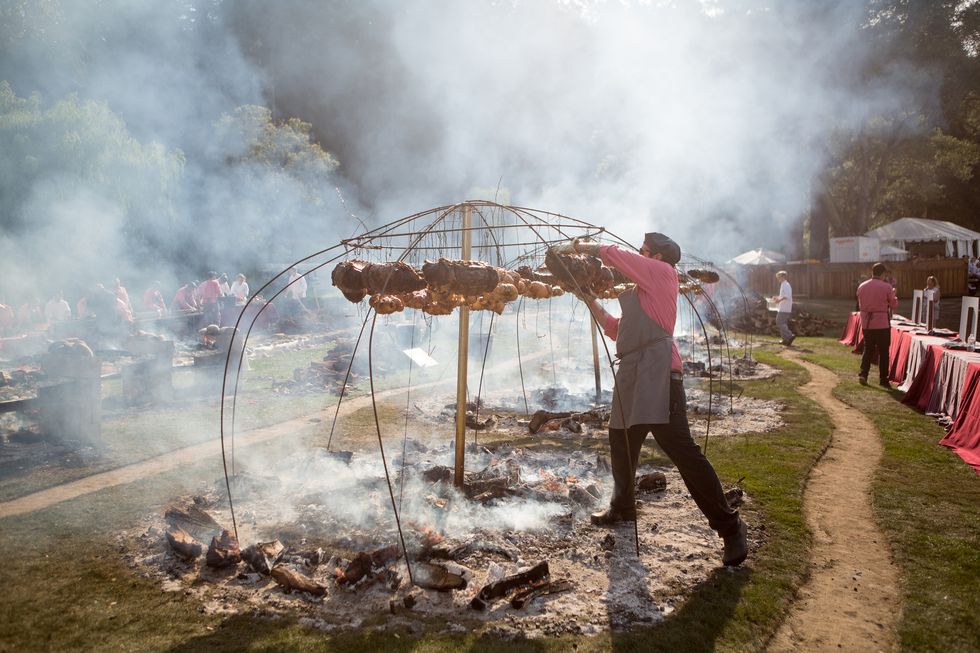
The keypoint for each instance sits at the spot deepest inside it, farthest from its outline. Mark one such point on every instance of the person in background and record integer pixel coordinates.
(8, 318)
(648, 395)
(239, 289)
(153, 300)
(209, 292)
(931, 294)
(123, 297)
(185, 299)
(223, 283)
(298, 285)
(785, 301)
(57, 309)
(30, 314)
(876, 299)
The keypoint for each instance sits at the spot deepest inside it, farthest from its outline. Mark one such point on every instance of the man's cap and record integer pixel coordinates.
(662, 244)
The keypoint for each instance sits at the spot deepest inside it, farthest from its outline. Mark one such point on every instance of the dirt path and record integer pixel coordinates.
(851, 601)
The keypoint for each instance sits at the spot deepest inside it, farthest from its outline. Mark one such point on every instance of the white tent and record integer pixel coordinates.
(758, 257)
(960, 241)
(892, 253)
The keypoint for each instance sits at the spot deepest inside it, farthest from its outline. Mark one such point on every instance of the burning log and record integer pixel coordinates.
(652, 482)
(488, 423)
(541, 417)
(289, 580)
(505, 586)
(197, 523)
(262, 557)
(438, 474)
(183, 544)
(466, 549)
(525, 596)
(586, 496)
(364, 564)
(224, 551)
(436, 577)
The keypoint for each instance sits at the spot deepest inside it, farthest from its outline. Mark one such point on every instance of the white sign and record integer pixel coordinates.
(420, 358)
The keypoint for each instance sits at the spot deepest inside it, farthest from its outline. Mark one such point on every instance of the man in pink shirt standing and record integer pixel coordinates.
(876, 299)
(649, 396)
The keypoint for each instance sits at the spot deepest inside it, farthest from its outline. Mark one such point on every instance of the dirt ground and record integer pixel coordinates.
(851, 601)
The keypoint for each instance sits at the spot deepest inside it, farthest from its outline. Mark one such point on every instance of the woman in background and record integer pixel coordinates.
(931, 294)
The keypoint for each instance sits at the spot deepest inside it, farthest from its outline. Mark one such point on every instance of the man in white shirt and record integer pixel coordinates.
(57, 309)
(297, 287)
(785, 301)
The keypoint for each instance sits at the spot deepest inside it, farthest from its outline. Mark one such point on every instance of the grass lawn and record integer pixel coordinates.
(927, 502)
(67, 588)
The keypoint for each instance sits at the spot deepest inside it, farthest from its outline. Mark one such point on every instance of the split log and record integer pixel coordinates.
(262, 557)
(525, 596)
(290, 580)
(503, 587)
(436, 577)
(183, 544)
(224, 551)
(438, 474)
(199, 524)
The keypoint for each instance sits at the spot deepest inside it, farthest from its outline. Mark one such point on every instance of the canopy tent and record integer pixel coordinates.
(892, 253)
(758, 257)
(959, 241)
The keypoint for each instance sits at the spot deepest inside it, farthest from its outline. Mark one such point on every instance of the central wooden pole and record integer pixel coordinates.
(594, 328)
(462, 355)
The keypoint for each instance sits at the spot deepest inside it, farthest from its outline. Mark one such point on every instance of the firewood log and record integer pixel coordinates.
(290, 580)
(183, 544)
(224, 551)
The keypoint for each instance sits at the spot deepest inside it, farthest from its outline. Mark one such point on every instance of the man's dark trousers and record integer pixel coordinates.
(876, 341)
(676, 441)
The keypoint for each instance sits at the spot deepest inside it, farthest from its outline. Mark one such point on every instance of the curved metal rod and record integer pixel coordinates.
(381, 447)
(483, 366)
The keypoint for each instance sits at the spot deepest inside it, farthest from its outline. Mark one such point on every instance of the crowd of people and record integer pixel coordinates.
(209, 298)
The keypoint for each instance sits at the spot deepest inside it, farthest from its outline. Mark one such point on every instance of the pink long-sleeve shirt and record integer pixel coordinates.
(875, 297)
(656, 288)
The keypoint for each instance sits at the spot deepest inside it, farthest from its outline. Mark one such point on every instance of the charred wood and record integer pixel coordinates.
(431, 576)
(183, 544)
(289, 580)
(199, 524)
(525, 596)
(505, 586)
(262, 557)
(224, 551)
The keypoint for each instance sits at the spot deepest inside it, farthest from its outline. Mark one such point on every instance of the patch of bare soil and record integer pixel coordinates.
(851, 601)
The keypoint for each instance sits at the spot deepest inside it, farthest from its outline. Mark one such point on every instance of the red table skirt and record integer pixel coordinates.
(899, 355)
(853, 335)
(964, 437)
(920, 391)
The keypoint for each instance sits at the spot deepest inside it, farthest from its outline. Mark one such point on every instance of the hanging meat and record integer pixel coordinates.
(392, 278)
(704, 276)
(573, 271)
(468, 278)
(386, 304)
(348, 276)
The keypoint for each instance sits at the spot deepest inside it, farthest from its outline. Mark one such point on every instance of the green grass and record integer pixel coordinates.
(65, 586)
(927, 501)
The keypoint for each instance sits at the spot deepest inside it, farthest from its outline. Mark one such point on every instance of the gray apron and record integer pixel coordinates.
(642, 391)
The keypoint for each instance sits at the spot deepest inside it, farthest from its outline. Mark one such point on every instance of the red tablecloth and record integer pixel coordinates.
(920, 391)
(853, 335)
(898, 356)
(964, 437)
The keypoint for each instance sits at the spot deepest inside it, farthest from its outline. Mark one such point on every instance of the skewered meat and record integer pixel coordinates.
(704, 276)
(505, 292)
(348, 276)
(526, 273)
(394, 277)
(386, 304)
(602, 282)
(573, 271)
(417, 299)
(538, 290)
(461, 277)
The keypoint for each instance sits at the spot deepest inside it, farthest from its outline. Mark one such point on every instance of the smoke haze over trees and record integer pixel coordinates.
(174, 136)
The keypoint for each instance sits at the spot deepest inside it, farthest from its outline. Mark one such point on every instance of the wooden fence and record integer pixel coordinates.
(840, 280)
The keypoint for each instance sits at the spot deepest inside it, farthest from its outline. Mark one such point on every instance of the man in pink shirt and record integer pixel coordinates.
(876, 299)
(649, 396)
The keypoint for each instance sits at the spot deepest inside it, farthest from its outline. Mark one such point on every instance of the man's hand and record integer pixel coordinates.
(565, 249)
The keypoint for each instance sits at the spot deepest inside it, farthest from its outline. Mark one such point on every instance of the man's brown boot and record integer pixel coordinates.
(736, 546)
(612, 516)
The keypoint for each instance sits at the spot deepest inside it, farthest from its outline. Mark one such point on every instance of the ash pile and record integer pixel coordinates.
(759, 319)
(327, 374)
(511, 553)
